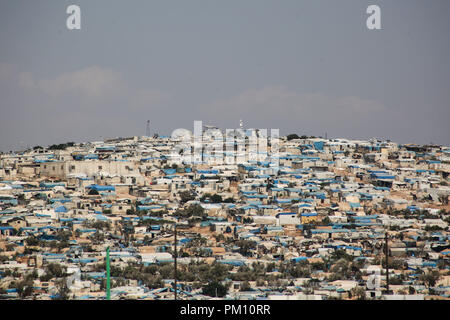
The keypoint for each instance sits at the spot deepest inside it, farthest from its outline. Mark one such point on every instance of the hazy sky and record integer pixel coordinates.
(307, 67)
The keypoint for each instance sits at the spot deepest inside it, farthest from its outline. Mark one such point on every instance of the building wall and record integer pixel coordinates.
(62, 169)
(289, 219)
(53, 169)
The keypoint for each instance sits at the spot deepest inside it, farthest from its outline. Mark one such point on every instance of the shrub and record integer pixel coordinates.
(215, 289)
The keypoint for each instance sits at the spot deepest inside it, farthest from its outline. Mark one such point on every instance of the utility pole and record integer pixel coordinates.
(175, 261)
(387, 261)
(108, 286)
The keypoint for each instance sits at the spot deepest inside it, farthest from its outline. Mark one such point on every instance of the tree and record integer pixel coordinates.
(197, 242)
(21, 199)
(292, 136)
(216, 198)
(61, 146)
(301, 269)
(25, 288)
(270, 267)
(341, 254)
(97, 237)
(217, 272)
(131, 211)
(195, 210)
(101, 225)
(186, 196)
(54, 270)
(63, 290)
(245, 286)
(341, 269)
(430, 278)
(63, 235)
(326, 221)
(219, 237)
(433, 228)
(215, 289)
(443, 199)
(359, 293)
(32, 241)
(246, 220)
(245, 246)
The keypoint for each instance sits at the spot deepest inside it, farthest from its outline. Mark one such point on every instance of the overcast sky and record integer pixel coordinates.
(305, 67)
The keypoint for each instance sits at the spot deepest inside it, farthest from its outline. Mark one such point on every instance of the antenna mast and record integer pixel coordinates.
(147, 129)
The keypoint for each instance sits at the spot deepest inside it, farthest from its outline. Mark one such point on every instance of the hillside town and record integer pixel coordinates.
(331, 219)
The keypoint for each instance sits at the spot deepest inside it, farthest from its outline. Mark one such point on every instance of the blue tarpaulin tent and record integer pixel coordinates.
(101, 188)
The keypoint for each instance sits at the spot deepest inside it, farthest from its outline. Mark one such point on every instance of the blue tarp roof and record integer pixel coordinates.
(170, 171)
(208, 171)
(354, 205)
(101, 217)
(232, 262)
(61, 209)
(62, 200)
(51, 184)
(309, 214)
(101, 188)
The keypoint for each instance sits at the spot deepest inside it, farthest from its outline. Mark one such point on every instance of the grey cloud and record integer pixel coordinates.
(83, 104)
(278, 101)
(313, 65)
(91, 82)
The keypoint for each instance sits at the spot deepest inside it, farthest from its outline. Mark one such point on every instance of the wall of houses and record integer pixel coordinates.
(62, 169)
